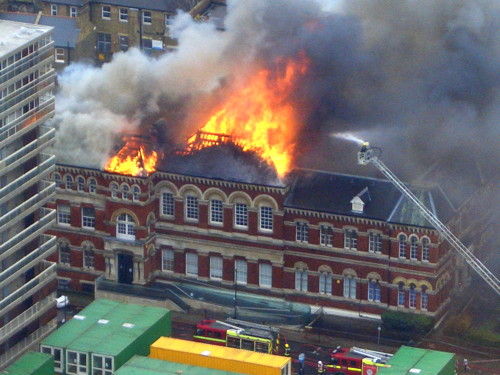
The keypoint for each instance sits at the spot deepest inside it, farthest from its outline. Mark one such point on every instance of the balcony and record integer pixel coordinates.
(47, 247)
(30, 288)
(28, 179)
(27, 316)
(27, 343)
(27, 207)
(47, 218)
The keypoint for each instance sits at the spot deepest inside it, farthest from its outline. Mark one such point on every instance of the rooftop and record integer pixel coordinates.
(66, 31)
(17, 34)
(160, 5)
(408, 360)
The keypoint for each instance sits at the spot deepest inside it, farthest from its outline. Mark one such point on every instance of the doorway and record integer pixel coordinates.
(125, 268)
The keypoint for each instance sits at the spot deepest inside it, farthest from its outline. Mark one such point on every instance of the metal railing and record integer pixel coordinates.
(28, 206)
(28, 179)
(29, 260)
(28, 289)
(27, 316)
(26, 343)
(47, 216)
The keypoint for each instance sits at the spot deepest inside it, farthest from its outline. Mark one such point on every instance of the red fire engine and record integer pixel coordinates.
(352, 361)
(239, 334)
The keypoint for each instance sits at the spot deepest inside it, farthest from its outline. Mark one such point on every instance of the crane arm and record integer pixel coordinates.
(368, 155)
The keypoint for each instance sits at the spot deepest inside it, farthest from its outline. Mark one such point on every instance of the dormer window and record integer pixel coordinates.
(359, 201)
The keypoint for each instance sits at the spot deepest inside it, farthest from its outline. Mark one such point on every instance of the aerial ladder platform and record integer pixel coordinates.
(368, 155)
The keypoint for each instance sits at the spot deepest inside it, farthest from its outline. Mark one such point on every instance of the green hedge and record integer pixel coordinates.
(406, 322)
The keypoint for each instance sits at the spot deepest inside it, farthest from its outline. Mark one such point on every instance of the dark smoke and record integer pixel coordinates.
(418, 78)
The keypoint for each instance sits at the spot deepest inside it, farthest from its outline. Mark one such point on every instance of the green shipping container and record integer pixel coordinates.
(31, 363)
(103, 336)
(417, 361)
(138, 365)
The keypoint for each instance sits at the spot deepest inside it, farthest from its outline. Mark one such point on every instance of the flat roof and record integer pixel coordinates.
(138, 365)
(417, 361)
(17, 34)
(215, 351)
(31, 363)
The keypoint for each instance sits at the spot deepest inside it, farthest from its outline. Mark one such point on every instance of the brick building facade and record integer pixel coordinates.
(339, 241)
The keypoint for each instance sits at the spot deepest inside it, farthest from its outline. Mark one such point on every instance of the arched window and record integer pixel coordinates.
(114, 190)
(125, 191)
(424, 298)
(402, 246)
(136, 192)
(57, 179)
(167, 203)
(92, 185)
(350, 286)
(413, 247)
(401, 294)
(125, 227)
(266, 218)
(426, 244)
(301, 279)
(80, 183)
(373, 291)
(412, 297)
(68, 180)
(325, 282)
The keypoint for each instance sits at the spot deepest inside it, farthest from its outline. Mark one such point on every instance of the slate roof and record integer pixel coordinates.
(332, 193)
(160, 5)
(78, 3)
(65, 33)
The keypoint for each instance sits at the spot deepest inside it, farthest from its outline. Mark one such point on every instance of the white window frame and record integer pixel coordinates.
(92, 184)
(266, 218)
(402, 245)
(64, 214)
(241, 271)
(79, 369)
(413, 247)
(216, 266)
(325, 283)
(73, 12)
(102, 370)
(88, 221)
(145, 17)
(125, 227)
(58, 364)
(123, 15)
(426, 249)
(106, 12)
(192, 264)
(216, 212)
(192, 210)
(326, 235)
(301, 231)
(265, 275)
(301, 279)
(401, 296)
(374, 242)
(374, 291)
(350, 287)
(53, 9)
(167, 203)
(241, 215)
(167, 260)
(350, 239)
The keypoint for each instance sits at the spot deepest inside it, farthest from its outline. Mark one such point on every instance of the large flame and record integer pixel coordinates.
(133, 159)
(260, 117)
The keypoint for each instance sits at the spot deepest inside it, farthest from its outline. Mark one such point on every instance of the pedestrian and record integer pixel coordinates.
(466, 364)
(321, 368)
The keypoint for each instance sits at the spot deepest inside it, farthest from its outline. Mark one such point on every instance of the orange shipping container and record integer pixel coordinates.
(220, 357)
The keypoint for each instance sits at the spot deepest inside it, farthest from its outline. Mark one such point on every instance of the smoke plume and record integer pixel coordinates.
(418, 78)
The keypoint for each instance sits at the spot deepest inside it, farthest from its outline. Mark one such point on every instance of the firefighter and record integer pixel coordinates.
(321, 368)
(287, 350)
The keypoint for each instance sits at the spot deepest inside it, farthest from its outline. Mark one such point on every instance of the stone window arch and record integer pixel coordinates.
(80, 183)
(125, 189)
(413, 247)
(68, 181)
(402, 245)
(113, 187)
(325, 280)
(136, 193)
(350, 283)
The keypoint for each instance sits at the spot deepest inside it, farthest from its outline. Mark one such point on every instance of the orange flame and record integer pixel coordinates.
(133, 159)
(260, 118)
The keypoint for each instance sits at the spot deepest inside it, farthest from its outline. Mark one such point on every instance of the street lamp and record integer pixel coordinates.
(378, 336)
